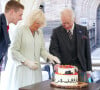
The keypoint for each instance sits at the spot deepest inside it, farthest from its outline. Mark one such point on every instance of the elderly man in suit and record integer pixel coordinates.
(13, 13)
(70, 43)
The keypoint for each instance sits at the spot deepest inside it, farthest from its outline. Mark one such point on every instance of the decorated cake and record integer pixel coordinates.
(66, 75)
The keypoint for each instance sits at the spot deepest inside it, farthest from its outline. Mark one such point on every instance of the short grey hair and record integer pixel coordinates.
(68, 10)
(35, 15)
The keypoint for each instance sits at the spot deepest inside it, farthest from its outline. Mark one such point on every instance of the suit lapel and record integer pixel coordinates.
(4, 26)
(79, 34)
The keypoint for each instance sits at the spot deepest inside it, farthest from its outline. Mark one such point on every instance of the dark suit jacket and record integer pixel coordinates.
(4, 37)
(58, 45)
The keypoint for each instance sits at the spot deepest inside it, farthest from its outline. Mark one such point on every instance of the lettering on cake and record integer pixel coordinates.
(73, 80)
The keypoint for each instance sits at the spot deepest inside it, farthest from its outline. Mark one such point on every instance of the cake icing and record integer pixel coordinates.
(66, 76)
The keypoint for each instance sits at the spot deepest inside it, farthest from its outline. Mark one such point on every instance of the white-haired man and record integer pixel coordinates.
(70, 43)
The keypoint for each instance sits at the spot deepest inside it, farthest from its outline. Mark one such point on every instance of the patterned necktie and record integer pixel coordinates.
(69, 34)
(7, 28)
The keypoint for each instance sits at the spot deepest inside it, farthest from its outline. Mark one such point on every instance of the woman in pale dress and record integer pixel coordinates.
(23, 67)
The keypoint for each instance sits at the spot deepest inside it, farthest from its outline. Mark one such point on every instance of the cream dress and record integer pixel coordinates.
(24, 46)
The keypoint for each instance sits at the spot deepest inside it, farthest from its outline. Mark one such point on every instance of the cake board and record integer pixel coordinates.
(80, 85)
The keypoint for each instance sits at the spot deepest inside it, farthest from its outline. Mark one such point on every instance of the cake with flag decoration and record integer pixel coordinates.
(66, 75)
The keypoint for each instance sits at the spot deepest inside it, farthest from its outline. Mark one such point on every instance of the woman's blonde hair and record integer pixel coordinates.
(36, 15)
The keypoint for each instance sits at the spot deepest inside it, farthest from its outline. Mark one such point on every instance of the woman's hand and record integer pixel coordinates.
(31, 64)
(54, 59)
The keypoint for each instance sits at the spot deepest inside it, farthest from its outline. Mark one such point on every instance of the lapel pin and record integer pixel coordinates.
(80, 31)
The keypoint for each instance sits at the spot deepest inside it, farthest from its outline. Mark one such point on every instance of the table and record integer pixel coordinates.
(45, 85)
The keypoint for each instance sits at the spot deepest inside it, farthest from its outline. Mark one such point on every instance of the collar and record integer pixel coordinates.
(7, 22)
(72, 28)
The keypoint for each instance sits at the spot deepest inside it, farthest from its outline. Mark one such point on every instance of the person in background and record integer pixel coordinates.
(26, 49)
(70, 43)
(47, 68)
(13, 13)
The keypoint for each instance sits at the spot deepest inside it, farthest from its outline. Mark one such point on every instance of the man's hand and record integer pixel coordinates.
(89, 76)
(88, 72)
